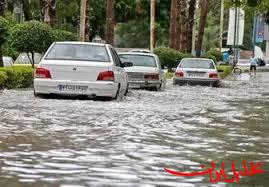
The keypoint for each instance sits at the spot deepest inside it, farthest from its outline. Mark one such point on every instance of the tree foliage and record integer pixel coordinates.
(3, 30)
(31, 37)
(3, 36)
(62, 35)
(169, 58)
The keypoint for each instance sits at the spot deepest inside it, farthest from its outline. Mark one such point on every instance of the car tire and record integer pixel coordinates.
(127, 90)
(117, 94)
(39, 95)
(156, 88)
(163, 85)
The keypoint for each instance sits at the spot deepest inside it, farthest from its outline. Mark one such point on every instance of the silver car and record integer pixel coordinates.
(196, 71)
(8, 61)
(146, 71)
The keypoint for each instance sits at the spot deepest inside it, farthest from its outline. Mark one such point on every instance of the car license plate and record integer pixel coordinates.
(196, 74)
(72, 88)
(134, 86)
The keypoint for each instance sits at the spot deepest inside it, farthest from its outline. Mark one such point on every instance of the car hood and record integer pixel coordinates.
(141, 69)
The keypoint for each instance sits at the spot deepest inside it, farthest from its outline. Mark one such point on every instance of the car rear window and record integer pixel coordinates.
(139, 60)
(80, 52)
(196, 63)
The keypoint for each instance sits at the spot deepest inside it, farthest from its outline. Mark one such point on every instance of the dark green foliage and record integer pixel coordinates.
(61, 35)
(3, 79)
(216, 54)
(16, 77)
(133, 35)
(210, 56)
(32, 36)
(253, 3)
(7, 49)
(169, 57)
(3, 30)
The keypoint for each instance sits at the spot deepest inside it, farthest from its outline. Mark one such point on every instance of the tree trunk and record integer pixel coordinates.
(48, 10)
(1, 57)
(178, 25)
(173, 22)
(2, 7)
(190, 25)
(2, 10)
(204, 12)
(110, 22)
(183, 16)
(26, 10)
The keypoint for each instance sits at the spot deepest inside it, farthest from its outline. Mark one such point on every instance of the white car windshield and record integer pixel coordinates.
(78, 52)
(197, 63)
(139, 60)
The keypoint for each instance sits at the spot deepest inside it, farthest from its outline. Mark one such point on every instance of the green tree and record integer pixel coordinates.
(3, 36)
(31, 37)
(62, 35)
(204, 4)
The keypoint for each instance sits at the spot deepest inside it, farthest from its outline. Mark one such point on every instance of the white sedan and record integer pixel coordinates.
(76, 68)
(146, 71)
(196, 71)
(8, 61)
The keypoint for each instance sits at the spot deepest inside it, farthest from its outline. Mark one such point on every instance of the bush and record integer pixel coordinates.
(169, 57)
(61, 35)
(3, 30)
(209, 56)
(226, 70)
(214, 54)
(3, 79)
(16, 77)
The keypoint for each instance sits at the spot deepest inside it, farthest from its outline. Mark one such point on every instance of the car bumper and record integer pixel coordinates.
(143, 84)
(214, 82)
(103, 89)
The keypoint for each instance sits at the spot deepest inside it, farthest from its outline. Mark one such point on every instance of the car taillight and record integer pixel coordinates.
(179, 74)
(42, 73)
(106, 76)
(213, 75)
(151, 77)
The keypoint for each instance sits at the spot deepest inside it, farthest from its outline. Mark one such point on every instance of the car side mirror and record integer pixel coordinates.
(126, 64)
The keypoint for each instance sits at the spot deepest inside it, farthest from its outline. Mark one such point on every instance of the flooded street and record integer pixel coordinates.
(51, 142)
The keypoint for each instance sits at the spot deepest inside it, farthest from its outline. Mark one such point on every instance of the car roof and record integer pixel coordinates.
(7, 57)
(197, 59)
(137, 53)
(85, 43)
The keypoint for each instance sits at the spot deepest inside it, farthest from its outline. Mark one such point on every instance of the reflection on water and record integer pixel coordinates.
(128, 143)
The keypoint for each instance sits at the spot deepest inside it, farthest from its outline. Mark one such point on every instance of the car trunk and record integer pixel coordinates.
(138, 72)
(198, 73)
(75, 70)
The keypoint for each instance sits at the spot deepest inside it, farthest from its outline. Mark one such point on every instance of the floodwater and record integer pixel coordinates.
(64, 143)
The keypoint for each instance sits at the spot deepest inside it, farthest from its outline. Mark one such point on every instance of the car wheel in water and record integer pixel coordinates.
(127, 90)
(156, 88)
(39, 95)
(117, 94)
